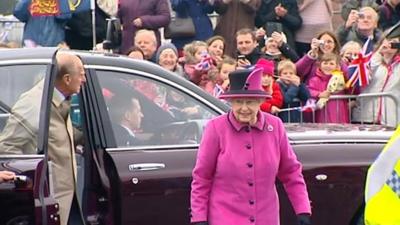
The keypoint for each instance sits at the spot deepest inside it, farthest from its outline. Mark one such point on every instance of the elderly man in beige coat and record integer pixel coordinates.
(20, 133)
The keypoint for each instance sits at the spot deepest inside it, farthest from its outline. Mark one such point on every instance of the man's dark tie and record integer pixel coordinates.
(64, 108)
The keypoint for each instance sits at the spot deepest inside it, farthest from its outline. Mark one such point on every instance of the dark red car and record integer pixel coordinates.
(149, 183)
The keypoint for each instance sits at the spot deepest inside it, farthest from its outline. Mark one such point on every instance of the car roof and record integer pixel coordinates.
(338, 133)
(27, 53)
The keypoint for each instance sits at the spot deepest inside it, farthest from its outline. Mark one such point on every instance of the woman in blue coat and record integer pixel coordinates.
(197, 10)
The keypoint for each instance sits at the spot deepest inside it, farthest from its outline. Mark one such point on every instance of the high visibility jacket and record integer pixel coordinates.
(382, 191)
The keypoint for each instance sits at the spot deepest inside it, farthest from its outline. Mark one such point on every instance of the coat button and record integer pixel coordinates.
(248, 146)
(251, 202)
(252, 219)
(249, 165)
(247, 129)
(250, 183)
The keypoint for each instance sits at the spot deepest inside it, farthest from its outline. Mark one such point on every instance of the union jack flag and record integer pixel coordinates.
(358, 70)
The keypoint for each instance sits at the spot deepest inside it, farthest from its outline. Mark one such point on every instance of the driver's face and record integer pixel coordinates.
(135, 115)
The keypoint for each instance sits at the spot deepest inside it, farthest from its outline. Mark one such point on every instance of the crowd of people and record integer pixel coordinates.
(293, 41)
(264, 55)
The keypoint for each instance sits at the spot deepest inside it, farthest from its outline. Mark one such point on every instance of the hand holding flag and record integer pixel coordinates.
(358, 68)
(310, 106)
(205, 63)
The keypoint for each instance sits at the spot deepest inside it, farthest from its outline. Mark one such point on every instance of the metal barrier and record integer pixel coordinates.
(362, 108)
(11, 30)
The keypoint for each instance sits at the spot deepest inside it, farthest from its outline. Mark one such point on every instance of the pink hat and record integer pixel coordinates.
(268, 66)
(245, 83)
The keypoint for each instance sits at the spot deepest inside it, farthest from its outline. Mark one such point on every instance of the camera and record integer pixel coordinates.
(321, 43)
(241, 57)
(395, 45)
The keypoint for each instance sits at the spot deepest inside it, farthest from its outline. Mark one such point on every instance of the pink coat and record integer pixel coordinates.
(335, 111)
(235, 173)
(306, 68)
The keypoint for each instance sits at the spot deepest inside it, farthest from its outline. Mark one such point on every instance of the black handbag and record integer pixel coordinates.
(180, 27)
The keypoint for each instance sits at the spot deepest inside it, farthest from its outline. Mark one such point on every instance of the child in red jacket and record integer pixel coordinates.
(273, 104)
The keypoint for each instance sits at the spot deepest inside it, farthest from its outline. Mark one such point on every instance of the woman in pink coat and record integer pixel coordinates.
(325, 42)
(241, 155)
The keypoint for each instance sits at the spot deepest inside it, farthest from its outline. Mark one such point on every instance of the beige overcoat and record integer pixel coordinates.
(20, 137)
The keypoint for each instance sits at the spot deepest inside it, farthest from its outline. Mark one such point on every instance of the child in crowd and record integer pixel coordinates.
(226, 66)
(216, 48)
(335, 111)
(350, 51)
(198, 65)
(277, 49)
(135, 53)
(295, 93)
(273, 104)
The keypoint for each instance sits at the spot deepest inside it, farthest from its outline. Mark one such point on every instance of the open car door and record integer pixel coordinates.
(25, 93)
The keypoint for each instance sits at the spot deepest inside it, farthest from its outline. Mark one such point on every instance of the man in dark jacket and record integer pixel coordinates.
(356, 5)
(247, 48)
(281, 14)
(78, 32)
(360, 26)
(126, 118)
(146, 41)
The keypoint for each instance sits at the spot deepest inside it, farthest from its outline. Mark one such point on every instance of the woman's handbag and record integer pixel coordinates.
(180, 27)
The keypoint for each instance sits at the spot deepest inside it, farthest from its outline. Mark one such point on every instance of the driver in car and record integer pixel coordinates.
(126, 116)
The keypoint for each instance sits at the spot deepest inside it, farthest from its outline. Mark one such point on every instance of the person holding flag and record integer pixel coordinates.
(382, 191)
(358, 69)
(384, 70)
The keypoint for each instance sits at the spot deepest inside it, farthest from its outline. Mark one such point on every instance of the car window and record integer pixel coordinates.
(75, 112)
(20, 99)
(148, 112)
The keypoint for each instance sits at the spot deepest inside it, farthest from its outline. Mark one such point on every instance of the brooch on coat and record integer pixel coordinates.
(269, 128)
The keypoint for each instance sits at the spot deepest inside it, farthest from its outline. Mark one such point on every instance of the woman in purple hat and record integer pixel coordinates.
(240, 156)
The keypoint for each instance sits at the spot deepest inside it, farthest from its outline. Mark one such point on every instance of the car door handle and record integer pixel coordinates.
(146, 166)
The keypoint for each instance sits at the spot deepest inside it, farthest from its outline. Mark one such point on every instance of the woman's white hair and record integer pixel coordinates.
(348, 45)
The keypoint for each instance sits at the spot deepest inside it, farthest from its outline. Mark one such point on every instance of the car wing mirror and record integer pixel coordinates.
(114, 34)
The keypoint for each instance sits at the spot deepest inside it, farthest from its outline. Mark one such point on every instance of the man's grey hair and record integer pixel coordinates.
(151, 34)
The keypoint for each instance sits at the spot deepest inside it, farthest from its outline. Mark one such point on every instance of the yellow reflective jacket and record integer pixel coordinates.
(382, 191)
